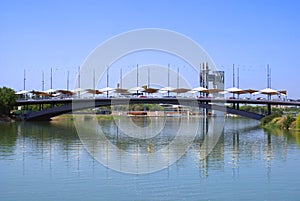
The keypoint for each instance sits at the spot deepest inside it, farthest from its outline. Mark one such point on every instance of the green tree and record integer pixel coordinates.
(7, 100)
(298, 122)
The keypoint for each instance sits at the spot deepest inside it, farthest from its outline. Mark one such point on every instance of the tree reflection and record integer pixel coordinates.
(241, 140)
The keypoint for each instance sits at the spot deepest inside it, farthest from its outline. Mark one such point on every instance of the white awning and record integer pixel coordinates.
(21, 92)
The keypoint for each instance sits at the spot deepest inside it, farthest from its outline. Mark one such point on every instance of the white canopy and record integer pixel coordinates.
(21, 92)
(106, 89)
(200, 89)
(77, 90)
(223, 92)
(135, 89)
(256, 93)
(234, 90)
(167, 89)
(50, 91)
(269, 91)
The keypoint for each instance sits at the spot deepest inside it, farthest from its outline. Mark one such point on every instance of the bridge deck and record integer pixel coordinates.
(155, 100)
(69, 105)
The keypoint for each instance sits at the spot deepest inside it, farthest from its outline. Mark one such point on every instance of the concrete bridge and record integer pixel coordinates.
(62, 106)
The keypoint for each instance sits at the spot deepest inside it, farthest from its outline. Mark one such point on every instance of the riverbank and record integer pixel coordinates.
(284, 122)
(6, 118)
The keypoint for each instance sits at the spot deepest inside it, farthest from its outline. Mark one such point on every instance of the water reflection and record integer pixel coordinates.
(240, 140)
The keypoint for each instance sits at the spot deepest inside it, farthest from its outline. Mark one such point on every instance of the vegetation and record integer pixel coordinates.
(7, 100)
(254, 109)
(264, 110)
(269, 118)
(286, 122)
(298, 122)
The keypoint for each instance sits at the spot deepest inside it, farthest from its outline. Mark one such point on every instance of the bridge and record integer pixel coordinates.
(62, 106)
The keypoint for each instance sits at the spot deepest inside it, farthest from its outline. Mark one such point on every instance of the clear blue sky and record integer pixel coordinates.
(38, 35)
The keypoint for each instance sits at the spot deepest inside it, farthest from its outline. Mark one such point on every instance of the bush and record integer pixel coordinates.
(269, 118)
(298, 122)
(288, 120)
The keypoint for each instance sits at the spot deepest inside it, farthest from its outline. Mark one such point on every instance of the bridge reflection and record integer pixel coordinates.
(57, 142)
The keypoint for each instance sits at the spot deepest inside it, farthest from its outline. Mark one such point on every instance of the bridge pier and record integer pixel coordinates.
(269, 109)
(236, 106)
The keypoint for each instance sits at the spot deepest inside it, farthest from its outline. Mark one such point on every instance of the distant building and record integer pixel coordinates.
(211, 79)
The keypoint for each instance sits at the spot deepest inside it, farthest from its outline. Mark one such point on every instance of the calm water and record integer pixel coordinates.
(46, 161)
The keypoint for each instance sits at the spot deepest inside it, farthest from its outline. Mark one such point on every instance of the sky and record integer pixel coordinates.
(40, 35)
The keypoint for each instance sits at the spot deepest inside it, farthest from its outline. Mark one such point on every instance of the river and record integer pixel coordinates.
(48, 161)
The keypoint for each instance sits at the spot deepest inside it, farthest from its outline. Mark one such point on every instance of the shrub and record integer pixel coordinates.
(288, 120)
(269, 118)
(298, 122)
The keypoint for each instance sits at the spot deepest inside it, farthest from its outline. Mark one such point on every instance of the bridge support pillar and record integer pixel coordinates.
(269, 109)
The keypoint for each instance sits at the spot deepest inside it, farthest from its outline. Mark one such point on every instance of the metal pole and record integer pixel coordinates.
(177, 79)
(68, 80)
(43, 81)
(233, 76)
(200, 76)
(168, 79)
(79, 81)
(268, 81)
(137, 78)
(238, 77)
(51, 79)
(107, 80)
(24, 81)
(148, 77)
(94, 83)
(121, 78)
(233, 82)
(238, 82)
